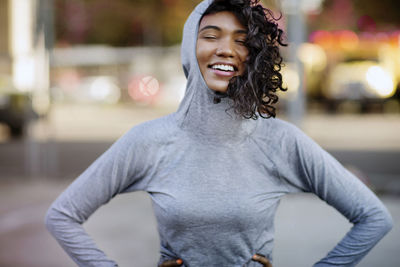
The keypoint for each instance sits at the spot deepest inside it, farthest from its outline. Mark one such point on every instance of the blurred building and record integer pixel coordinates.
(89, 74)
(25, 30)
(4, 39)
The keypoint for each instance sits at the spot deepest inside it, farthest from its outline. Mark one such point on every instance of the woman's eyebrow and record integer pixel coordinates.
(219, 29)
(241, 31)
(210, 27)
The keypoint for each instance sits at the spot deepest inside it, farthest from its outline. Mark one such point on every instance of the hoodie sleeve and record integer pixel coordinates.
(112, 173)
(307, 167)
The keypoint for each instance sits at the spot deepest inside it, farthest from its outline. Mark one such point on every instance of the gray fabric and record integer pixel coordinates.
(215, 181)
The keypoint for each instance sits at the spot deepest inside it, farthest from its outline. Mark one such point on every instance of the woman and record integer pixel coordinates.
(216, 176)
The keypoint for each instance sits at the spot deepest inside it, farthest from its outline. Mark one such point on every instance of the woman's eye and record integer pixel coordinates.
(210, 37)
(242, 42)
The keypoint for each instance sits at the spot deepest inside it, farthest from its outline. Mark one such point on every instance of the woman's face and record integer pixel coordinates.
(220, 49)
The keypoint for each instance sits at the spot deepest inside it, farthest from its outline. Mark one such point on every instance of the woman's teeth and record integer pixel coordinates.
(223, 67)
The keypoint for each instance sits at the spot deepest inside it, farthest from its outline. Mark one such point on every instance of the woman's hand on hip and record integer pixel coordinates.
(261, 259)
(258, 258)
(172, 263)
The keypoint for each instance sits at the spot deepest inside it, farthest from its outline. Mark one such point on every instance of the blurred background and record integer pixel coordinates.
(77, 74)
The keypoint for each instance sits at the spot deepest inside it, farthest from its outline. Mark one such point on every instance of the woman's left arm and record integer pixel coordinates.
(324, 176)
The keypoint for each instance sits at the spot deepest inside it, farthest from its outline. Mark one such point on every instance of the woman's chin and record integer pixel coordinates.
(219, 87)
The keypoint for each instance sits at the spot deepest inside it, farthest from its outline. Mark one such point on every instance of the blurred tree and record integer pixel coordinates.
(335, 14)
(383, 11)
(363, 15)
(71, 24)
(121, 22)
(113, 22)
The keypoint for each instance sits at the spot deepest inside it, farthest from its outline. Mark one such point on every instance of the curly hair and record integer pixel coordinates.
(254, 92)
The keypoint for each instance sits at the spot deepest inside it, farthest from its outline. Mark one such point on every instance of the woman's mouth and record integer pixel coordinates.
(225, 70)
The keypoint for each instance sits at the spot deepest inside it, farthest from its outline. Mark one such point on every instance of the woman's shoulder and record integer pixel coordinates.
(284, 137)
(153, 131)
(163, 122)
(276, 128)
(281, 136)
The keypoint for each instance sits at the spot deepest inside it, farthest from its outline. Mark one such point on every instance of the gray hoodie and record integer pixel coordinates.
(215, 181)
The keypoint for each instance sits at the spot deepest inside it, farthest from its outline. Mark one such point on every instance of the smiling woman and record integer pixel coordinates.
(238, 55)
(220, 51)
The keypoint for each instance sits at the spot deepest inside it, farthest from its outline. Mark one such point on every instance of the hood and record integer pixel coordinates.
(203, 112)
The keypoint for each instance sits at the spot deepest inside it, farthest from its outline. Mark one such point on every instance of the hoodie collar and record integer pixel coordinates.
(204, 113)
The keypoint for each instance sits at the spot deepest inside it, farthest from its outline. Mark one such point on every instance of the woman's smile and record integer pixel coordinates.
(223, 69)
(220, 50)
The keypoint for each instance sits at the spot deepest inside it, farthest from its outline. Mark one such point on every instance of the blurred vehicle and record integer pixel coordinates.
(15, 108)
(361, 70)
(364, 81)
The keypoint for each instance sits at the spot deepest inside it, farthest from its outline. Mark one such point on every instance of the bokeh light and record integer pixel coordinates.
(104, 89)
(144, 89)
(380, 80)
(291, 81)
(347, 39)
(313, 56)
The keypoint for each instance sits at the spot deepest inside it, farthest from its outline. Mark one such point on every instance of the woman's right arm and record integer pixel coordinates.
(112, 173)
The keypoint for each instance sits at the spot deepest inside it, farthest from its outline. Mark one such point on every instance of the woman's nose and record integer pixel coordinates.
(225, 49)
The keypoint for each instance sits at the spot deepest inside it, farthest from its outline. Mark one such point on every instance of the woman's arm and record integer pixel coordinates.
(109, 175)
(314, 170)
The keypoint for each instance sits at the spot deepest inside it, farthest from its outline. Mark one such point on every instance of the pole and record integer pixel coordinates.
(296, 34)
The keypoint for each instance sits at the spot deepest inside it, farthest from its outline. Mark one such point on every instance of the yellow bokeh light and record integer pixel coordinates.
(380, 80)
(348, 40)
(291, 80)
(312, 56)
